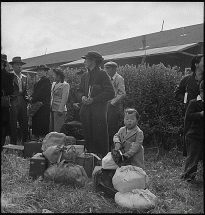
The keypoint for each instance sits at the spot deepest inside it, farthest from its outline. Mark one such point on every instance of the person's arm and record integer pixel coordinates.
(64, 99)
(135, 145)
(191, 113)
(121, 93)
(181, 89)
(116, 140)
(108, 91)
(80, 90)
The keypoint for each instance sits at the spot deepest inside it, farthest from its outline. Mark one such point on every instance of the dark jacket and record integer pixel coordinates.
(94, 116)
(24, 90)
(195, 118)
(7, 85)
(190, 85)
(42, 93)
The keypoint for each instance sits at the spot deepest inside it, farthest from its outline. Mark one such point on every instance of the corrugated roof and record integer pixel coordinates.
(155, 51)
(173, 37)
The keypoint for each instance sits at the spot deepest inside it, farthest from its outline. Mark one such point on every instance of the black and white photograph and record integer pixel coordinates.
(102, 107)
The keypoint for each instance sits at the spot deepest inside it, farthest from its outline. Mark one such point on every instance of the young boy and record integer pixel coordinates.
(194, 135)
(130, 138)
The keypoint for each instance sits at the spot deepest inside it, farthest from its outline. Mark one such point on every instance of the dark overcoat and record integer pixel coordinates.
(190, 85)
(7, 85)
(42, 93)
(94, 116)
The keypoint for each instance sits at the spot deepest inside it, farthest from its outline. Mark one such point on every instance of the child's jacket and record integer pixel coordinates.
(131, 142)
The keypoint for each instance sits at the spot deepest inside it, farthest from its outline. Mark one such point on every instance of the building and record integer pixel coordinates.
(171, 47)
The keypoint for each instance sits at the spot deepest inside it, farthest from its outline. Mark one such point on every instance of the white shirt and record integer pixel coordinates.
(19, 79)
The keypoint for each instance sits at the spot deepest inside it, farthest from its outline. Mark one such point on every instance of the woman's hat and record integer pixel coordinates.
(42, 66)
(93, 54)
(16, 60)
(4, 57)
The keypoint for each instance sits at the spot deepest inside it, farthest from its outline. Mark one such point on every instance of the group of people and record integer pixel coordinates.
(99, 97)
(191, 92)
(49, 117)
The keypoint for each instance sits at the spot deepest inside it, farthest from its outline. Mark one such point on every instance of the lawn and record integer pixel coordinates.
(20, 194)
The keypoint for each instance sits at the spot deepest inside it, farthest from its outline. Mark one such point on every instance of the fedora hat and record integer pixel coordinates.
(16, 60)
(42, 66)
(93, 54)
(4, 57)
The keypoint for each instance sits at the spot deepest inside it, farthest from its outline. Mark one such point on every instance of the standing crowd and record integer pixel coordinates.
(99, 108)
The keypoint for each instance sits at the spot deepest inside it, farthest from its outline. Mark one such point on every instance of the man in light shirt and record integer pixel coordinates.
(19, 100)
(114, 108)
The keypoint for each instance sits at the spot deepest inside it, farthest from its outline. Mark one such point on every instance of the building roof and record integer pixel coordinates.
(155, 51)
(173, 37)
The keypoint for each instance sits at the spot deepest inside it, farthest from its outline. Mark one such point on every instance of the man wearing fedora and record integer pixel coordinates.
(114, 107)
(19, 101)
(95, 90)
(41, 93)
(7, 88)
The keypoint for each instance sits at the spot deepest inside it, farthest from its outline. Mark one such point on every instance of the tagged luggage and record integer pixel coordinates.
(88, 161)
(31, 148)
(38, 165)
(67, 173)
(139, 199)
(102, 181)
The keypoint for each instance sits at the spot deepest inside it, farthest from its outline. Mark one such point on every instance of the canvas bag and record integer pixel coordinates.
(136, 199)
(57, 153)
(56, 139)
(108, 162)
(66, 173)
(129, 177)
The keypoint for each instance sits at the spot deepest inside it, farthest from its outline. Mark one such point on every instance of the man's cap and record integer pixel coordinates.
(41, 66)
(93, 54)
(4, 57)
(16, 60)
(110, 64)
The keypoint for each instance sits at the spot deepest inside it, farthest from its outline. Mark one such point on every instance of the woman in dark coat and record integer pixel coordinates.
(42, 93)
(95, 90)
(7, 88)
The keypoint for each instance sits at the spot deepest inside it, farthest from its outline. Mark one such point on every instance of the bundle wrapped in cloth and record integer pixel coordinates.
(129, 177)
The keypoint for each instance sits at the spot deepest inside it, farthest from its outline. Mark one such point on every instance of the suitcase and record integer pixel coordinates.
(88, 161)
(102, 181)
(10, 148)
(38, 165)
(31, 148)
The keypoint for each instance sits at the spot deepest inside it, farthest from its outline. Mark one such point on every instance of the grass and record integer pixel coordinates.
(20, 194)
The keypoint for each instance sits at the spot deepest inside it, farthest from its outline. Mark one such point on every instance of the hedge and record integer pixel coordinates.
(149, 89)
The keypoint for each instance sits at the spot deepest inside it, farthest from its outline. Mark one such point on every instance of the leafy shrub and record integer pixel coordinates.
(150, 89)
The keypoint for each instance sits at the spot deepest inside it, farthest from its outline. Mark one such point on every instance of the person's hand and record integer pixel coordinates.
(76, 106)
(60, 113)
(112, 103)
(87, 101)
(117, 146)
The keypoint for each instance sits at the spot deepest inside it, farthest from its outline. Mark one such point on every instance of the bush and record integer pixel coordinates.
(150, 89)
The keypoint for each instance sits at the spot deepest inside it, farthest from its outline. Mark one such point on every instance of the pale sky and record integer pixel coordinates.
(30, 29)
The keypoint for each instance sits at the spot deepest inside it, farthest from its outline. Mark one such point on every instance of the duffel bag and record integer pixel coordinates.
(66, 173)
(136, 199)
(129, 177)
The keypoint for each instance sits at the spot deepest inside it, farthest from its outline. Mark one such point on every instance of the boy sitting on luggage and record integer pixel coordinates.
(130, 138)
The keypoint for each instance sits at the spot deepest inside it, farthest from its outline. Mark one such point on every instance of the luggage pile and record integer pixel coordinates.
(126, 184)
